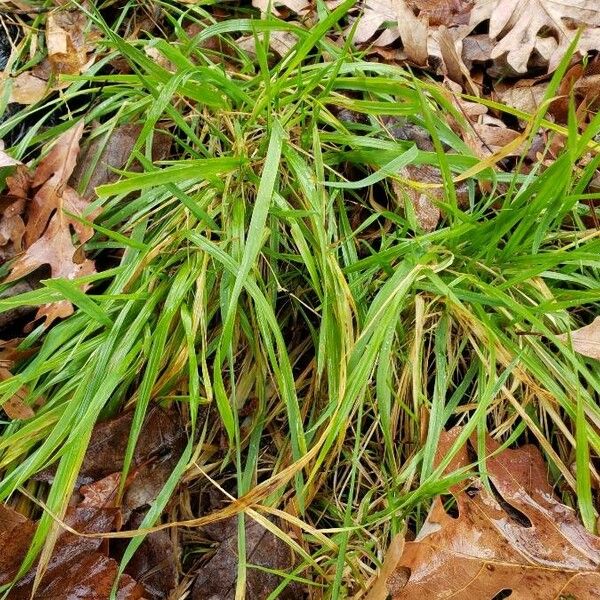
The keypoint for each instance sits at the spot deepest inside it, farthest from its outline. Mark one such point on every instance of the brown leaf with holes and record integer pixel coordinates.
(585, 340)
(12, 204)
(521, 28)
(515, 538)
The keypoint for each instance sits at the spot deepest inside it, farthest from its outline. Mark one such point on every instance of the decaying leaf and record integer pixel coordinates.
(85, 567)
(281, 42)
(424, 199)
(47, 229)
(66, 42)
(217, 578)
(379, 590)
(547, 27)
(378, 15)
(54, 248)
(6, 160)
(413, 22)
(79, 568)
(102, 155)
(51, 178)
(525, 95)
(27, 89)
(297, 6)
(12, 201)
(515, 537)
(585, 340)
(16, 407)
(154, 564)
(492, 135)
(582, 82)
(161, 437)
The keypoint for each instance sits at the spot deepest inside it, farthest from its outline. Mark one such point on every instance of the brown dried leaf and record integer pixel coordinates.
(16, 407)
(154, 565)
(79, 567)
(443, 12)
(377, 13)
(424, 200)
(162, 435)
(102, 493)
(47, 233)
(281, 42)
(297, 6)
(16, 532)
(66, 42)
(525, 95)
(159, 447)
(52, 174)
(56, 249)
(6, 160)
(491, 137)
(547, 26)
(519, 538)
(100, 157)
(217, 579)
(381, 587)
(27, 89)
(410, 20)
(585, 340)
(12, 227)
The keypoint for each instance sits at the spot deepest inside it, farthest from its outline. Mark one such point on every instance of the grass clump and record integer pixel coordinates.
(268, 282)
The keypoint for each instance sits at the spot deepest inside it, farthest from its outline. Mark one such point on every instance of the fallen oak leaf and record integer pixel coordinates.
(521, 26)
(54, 248)
(47, 234)
(585, 340)
(515, 537)
(380, 590)
(51, 177)
(154, 564)
(525, 95)
(161, 441)
(413, 21)
(281, 42)
(102, 156)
